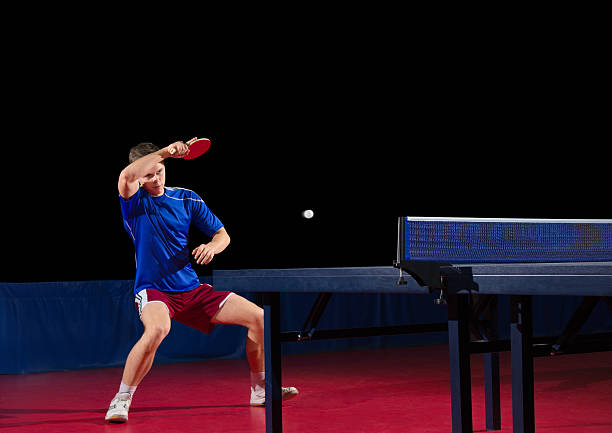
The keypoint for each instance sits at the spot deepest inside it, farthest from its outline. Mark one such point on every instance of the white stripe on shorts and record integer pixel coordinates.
(223, 302)
(142, 300)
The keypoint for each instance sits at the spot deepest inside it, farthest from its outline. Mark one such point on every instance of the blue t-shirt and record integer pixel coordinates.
(159, 227)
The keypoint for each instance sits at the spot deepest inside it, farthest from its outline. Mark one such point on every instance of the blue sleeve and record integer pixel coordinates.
(202, 216)
(130, 207)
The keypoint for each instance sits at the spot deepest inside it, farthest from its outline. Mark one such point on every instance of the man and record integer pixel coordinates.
(166, 287)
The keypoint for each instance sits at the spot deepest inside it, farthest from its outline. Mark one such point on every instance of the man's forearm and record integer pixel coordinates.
(144, 165)
(205, 252)
(219, 241)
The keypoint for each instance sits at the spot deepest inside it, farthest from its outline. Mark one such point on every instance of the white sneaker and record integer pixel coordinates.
(258, 394)
(119, 407)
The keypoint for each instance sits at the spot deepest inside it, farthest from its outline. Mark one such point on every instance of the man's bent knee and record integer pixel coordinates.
(258, 320)
(255, 325)
(156, 319)
(154, 335)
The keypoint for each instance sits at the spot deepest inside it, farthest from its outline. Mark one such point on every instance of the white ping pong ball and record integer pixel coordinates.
(308, 214)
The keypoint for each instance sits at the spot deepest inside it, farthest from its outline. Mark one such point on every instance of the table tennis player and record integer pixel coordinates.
(166, 288)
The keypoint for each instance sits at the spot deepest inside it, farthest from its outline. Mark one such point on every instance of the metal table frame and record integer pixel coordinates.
(458, 287)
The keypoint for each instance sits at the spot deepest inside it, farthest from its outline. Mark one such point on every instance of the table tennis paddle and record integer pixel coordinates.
(197, 147)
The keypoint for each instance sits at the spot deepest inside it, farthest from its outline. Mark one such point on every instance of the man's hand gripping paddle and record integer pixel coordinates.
(197, 147)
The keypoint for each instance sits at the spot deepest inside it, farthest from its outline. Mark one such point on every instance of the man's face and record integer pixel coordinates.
(154, 182)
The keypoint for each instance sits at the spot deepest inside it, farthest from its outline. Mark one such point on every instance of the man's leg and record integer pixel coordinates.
(239, 311)
(156, 320)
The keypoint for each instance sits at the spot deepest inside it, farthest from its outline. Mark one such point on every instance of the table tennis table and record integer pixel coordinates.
(461, 259)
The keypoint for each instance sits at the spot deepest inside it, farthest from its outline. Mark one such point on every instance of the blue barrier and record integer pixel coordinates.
(91, 324)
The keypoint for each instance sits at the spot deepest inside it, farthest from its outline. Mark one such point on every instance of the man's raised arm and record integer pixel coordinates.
(128, 179)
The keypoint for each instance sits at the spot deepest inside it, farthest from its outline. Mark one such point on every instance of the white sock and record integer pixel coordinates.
(258, 379)
(123, 388)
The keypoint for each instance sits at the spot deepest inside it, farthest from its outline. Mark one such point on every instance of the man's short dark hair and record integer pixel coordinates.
(141, 150)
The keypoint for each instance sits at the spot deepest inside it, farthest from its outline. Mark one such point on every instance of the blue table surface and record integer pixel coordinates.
(583, 279)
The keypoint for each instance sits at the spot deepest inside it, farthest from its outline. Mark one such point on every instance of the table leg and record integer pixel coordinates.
(274, 414)
(521, 336)
(491, 372)
(460, 375)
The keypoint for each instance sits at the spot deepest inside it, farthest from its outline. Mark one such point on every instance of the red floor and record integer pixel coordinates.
(395, 390)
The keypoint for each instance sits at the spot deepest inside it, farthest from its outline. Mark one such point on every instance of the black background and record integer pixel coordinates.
(360, 133)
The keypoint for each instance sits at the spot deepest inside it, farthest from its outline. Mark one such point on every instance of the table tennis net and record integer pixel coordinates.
(505, 241)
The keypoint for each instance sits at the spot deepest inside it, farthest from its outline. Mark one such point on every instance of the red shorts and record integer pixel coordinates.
(193, 308)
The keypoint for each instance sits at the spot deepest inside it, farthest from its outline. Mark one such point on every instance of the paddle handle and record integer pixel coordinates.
(173, 150)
